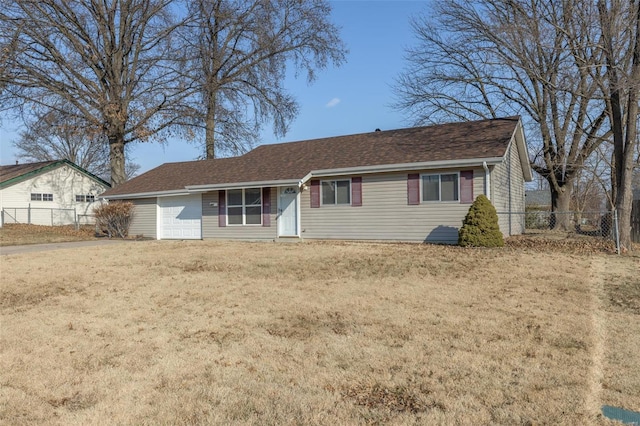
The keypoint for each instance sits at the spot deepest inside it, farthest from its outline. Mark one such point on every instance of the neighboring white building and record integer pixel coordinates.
(48, 193)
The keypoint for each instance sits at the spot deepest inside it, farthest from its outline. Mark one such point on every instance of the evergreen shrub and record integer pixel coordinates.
(480, 226)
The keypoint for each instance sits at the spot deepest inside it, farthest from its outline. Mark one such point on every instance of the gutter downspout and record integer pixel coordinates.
(487, 180)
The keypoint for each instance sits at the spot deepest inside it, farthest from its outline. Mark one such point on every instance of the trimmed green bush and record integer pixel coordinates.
(480, 226)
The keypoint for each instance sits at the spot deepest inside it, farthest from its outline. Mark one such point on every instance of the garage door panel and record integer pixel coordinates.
(181, 217)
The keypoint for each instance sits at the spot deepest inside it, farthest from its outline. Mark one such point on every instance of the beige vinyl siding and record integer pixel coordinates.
(507, 192)
(210, 228)
(500, 194)
(145, 218)
(385, 214)
(517, 192)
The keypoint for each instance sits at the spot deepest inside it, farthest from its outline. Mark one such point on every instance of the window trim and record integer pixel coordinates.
(336, 204)
(244, 207)
(439, 200)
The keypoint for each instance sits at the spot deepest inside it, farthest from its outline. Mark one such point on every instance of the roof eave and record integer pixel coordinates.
(195, 189)
(151, 194)
(240, 185)
(523, 153)
(443, 164)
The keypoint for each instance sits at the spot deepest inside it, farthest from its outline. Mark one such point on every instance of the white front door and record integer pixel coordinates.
(181, 217)
(288, 220)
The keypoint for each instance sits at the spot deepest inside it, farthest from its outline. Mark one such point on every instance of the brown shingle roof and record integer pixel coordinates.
(294, 160)
(13, 171)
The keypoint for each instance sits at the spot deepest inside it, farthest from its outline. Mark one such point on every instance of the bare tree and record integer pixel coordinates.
(56, 136)
(491, 58)
(622, 89)
(240, 51)
(111, 61)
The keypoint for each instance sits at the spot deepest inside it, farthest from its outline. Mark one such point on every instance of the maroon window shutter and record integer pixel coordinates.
(466, 186)
(222, 208)
(413, 188)
(356, 191)
(266, 206)
(315, 193)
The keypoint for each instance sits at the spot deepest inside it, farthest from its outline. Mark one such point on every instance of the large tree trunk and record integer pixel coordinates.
(561, 219)
(625, 150)
(210, 126)
(624, 204)
(117, 160)
(116, 117)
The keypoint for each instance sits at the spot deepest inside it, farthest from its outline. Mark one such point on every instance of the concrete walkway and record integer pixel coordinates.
(32, 248)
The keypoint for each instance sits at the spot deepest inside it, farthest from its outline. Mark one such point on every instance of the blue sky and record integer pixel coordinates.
(353, 98)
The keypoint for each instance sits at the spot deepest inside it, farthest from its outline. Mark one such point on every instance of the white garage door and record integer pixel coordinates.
(181, 217)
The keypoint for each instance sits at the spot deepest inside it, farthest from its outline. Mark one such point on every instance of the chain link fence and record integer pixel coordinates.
(596, 224)
(44, 216)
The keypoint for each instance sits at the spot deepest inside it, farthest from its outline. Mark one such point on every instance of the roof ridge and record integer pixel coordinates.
(378, 131)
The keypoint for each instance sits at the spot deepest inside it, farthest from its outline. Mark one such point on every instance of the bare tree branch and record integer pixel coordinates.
(56, 136)
(489, 58)
(112, 64)
(239, 53)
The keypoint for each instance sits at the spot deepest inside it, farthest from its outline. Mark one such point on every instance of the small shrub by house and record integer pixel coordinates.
(114, 218)
(480, 226)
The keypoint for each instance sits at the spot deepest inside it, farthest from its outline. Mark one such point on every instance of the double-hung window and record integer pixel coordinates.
(336, 192)
(440, 187)
(244, 206)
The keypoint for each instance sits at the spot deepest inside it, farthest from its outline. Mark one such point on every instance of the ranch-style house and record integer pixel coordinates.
(413, 184)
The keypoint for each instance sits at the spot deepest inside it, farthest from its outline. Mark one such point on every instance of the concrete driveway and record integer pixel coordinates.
(32, 248)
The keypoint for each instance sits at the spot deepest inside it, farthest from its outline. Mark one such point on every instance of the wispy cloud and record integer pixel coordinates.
(333, 102)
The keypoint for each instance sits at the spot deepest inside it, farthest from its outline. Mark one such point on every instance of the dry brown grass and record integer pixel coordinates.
(16, 234)
(316, 333)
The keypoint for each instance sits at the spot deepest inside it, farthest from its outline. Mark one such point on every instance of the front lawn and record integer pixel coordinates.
(210, 332)
(17, 234)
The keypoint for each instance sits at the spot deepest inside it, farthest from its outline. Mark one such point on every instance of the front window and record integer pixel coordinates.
(336, 192)
(244, 206)
(442, 187)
